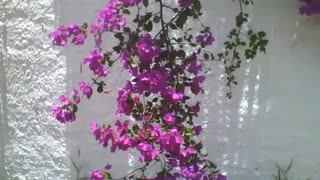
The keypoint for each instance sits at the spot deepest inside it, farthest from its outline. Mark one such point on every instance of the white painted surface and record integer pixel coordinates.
(272, 118)
(33, 144)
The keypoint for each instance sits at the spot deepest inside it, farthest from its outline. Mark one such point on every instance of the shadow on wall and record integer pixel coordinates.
(3, 103)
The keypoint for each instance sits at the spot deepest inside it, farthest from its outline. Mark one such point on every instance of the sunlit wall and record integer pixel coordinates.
(272, 119)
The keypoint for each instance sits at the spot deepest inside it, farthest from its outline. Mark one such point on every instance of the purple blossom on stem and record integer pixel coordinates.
(94, 62)
(85, 89)
(60, 36)
(96, 175)
(147, 49)
(205, 39)
(169, 118)
(109, 17)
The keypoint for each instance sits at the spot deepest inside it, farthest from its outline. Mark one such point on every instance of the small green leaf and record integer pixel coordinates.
(261, 34)
(145, 3)
(100, 88)
(125, 11)
(156, 19)
(148, 26)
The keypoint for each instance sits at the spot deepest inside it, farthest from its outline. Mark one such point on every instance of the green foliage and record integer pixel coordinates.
(239, 47)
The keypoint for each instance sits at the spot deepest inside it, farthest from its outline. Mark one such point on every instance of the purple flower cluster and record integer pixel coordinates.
(147, 49)
(66, 112)
(61, 35)
(157, 96)
(108, 19)
(95, 63)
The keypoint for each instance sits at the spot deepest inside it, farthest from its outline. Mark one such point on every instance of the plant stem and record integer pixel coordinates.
(163, 26)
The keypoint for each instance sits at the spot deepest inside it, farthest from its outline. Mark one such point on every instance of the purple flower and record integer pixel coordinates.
(61, 35)
(192, 65)
(195, 86)
(156, 131)
(86, 89)
(197, 130)
(221, 177)
(172, 95)
(192, 172)
(169, 118)
(171, 141)
(186, 154)
(147, 49)
(95, 129)
(75, 95)
(125, 59)
(205, 39)
(177, 97)
(185, 3)
(96, 175)
(108, 167)
(64, 100)
(124, 105)
(147, 152)
(94, 62)
(109, 16)
(124, 142)
(79, 39)
(131, 2)
(173, 162)
(63, 115)
(153, 81)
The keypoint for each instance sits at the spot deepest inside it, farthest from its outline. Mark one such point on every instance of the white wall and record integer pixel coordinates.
(272, 118)
(32, 144)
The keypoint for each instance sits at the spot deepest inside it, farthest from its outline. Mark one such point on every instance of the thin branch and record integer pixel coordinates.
(164, 30)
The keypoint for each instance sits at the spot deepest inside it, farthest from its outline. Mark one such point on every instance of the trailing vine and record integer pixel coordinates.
(243, 43)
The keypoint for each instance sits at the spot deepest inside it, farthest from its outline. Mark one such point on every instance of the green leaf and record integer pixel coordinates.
(182, 19)
(253, 38)
(181, 53)
(145, 3)
(135, 129)
(172, 26)
(125, 11)
(117, 49)
(263, 42)
(100, 88)
(126, 29)
(156, 19)
(261, 34)
(206, 56)
(119, 36)
(148, 26)
(74, 108)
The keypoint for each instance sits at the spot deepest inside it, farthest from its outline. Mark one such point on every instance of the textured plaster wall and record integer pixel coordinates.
(272, 118)
(33, 146)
